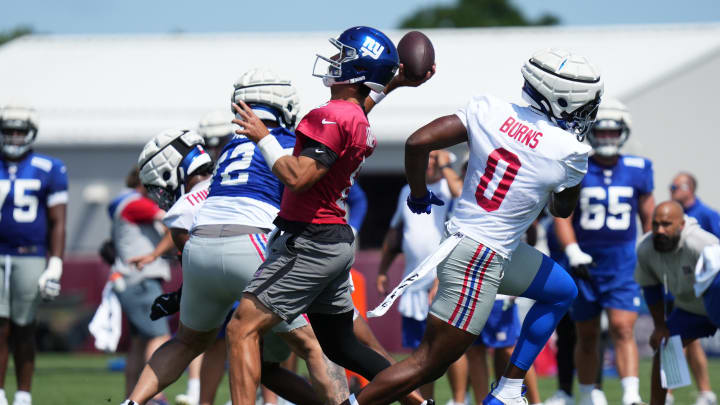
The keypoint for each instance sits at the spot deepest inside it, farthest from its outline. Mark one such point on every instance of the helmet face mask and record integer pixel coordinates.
(581, 120)
(18, 130)
(365, 55)
(164, 197)
(167, 160)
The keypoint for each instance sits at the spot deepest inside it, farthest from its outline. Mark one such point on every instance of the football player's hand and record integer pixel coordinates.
(166, 304)
(142, 261)
(382, 284)
(576, 256)
(581, 272)
(49, 281)
(423, 205)
(250, 124)
(400, 80)
(442, 157)
(659, 334)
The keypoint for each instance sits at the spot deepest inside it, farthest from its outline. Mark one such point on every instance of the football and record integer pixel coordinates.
(416, 54)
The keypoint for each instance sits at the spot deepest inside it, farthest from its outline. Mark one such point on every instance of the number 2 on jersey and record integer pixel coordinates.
(513, 165)
(247, 150)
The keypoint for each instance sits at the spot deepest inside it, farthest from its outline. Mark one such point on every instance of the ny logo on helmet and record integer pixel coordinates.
(372, 48)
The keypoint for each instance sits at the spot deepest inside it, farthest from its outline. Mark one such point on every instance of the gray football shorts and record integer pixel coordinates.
(215, 273)
(136, 301)
(304, 276)
(19, 298)
(469, 279)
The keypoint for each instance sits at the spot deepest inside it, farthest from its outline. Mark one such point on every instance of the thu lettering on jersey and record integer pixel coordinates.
(521, 132)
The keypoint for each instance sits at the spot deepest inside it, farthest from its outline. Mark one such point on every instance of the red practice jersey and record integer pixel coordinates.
(343, 127)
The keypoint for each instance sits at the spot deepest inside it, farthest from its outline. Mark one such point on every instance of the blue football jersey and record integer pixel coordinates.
(241, 170)
(605, 220)
(27, 189)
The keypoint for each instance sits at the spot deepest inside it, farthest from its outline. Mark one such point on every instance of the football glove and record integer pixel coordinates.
(423, 205)
(49, 281)
(166, 304)
(580, 262)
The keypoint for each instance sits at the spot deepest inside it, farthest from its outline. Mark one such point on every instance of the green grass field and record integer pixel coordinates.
(78, 379)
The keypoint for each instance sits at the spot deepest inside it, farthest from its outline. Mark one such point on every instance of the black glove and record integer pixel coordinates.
(165, 304)
(107, 252)
(581, 272)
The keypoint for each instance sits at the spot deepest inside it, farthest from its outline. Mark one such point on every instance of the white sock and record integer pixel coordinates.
(193, 388)
(508, 388)
(631, 388)
(586, 389)
(353, 400)
(2, 393)
(23, 395)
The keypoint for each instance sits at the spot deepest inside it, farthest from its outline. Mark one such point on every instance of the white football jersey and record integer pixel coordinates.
(517, 159)
(182, 214)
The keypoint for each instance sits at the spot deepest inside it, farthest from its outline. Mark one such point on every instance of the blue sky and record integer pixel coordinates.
(152, 16)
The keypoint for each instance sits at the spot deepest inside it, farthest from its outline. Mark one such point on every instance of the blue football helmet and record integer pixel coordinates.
(366, 55)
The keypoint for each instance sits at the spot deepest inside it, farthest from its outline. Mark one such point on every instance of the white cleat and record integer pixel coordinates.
(560, 398)
(595, 397)
(21, 401)
(705, 398)
(185, 399)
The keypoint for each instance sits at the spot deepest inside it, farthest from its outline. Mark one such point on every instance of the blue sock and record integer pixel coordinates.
(553, 291)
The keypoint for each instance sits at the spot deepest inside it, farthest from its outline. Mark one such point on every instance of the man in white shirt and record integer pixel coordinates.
(419, 236)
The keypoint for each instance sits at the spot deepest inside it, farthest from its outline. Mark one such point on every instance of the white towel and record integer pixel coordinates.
(708, 265)
(424, 268)
(106, 325)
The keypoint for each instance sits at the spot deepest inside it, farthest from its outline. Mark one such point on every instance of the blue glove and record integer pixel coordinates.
(423, 205)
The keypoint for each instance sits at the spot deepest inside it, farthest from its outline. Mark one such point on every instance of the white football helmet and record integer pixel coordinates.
(167, 160)
(565, 87)
(17, 119)
(214, 127)
(271, 97)
(612, 116)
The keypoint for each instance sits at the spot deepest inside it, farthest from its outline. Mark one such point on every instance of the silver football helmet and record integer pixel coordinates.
(18, 126)
(270, 96)
(612, 116)
(565, 87)
(167, 160)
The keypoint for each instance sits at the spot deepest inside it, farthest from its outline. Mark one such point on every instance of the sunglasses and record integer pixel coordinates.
(675, 187)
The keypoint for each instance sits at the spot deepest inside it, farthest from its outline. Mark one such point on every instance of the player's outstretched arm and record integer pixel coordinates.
(400, 80)
(439, 134)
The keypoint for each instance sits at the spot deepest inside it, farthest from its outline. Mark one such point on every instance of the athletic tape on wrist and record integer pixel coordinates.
(377, 97)
(271, 150)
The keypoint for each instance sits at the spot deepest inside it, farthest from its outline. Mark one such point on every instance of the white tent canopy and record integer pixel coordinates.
(123, 89)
